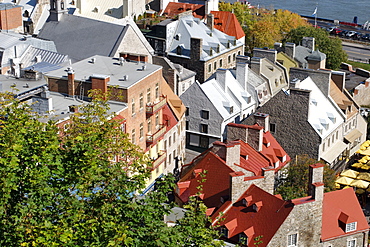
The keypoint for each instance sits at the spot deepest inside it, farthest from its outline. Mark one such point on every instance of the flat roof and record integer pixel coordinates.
(19, 86)
(123, 76)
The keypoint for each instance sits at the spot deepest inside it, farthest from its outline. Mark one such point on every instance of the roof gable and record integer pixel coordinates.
(226, 22)
(341, 205)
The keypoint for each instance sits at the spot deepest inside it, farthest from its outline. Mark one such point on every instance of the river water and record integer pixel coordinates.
(343, 10)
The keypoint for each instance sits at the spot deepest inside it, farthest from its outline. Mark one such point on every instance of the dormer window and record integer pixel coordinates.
(224, 232)
(276, 164)
(331, 117)
(324, 123)
(179, 50)
(283, 159)
(243, 239)
(231, 109)
(350, 227)
(314, 102)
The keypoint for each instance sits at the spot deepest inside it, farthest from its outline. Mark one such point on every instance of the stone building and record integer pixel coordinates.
(215, 103)
(152, 109)
(202, 48)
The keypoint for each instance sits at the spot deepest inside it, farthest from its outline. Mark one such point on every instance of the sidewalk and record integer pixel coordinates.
(357, 45)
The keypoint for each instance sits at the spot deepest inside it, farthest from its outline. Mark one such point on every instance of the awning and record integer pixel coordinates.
(334, 151)
(353, 135)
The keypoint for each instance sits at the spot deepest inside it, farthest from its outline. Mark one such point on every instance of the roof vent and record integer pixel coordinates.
(38, 58)
(121, 61)
(93, 60)
(125, 77)
(143, 67)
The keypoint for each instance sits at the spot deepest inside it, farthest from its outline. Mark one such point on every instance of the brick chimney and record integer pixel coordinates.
(251, 134)
(339, 79)
(71, 82)
(100, 82)
(210, 21)
(316, 185)
(270, 54)
(196, 46)
(229, 152)
(290, 49)
(263, 120)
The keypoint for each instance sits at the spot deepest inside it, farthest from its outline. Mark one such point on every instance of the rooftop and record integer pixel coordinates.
(111, 67)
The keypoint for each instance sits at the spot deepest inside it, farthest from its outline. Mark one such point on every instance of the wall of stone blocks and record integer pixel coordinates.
(289, 114)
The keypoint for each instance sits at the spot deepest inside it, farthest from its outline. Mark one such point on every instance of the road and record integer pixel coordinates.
(357, 52)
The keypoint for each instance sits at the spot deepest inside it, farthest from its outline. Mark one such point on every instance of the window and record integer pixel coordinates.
(141, 133)
(214, 65)
(157, 90)
(220, 63)
(133, 106)
(292, 240)
(224, 232)
(205, 114)
(234, 57)
(272, 128)
(141, 101)
(157, 120)
(169, 159)
(165, 144)
(209, 67)
(148, 99)
(238, 53)
(231, 109)
(174, 137)
(133, 137)
(229, 59)
(351, 243)
(187, 125)
(123, 127)
(169, 141)
(149, 125)
(204, 128)
(187, 111)
(351, 227)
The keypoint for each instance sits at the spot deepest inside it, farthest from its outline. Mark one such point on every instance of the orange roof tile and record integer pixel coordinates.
(341, 205)
(266, 221)
(226, 22)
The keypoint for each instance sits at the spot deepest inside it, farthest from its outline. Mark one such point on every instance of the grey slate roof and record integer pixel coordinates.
(81, 37)
(108, 66)
(302, 53)
(185, 74)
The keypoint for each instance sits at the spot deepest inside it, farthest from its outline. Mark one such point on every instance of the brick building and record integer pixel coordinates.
(11, 17)
(141, 87)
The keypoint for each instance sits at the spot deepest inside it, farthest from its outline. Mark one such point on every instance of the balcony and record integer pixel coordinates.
(152, 108)
(161, 158)
(150, 139)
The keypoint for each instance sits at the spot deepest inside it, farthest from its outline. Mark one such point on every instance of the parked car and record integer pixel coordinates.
(335, 31)
(350, 34)
(366, 36)
(343, 33)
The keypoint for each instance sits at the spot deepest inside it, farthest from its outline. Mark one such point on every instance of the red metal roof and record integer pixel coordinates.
(252, 160)
(274, 152)
(169, 119)
(173, 9)
(217, 182)
(272, 212)
(226, 22)
(336, 205)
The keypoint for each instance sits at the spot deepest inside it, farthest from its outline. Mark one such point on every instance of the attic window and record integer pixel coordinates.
(243, 238)
(331, 117)
(179, 50)
(177, 36)
(224, 232)
(350, 227)
(314, 102)
(270, 68)
(324, 123)
(231, 109)
(283, 159)
(277, 164)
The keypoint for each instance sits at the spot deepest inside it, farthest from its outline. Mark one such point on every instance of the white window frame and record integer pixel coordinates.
(292, 242)
(351, 243)
(350, 227)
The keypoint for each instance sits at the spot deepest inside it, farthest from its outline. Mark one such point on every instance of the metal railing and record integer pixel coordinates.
(152, 138)
(151, 109)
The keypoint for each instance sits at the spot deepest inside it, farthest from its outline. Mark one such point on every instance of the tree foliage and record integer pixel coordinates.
(263, 27)
(294, 183)
(60, 187)
(332, 47)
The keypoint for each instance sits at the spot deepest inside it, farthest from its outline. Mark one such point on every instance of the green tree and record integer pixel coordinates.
(60, 187)
(294, 182)
(332, 47)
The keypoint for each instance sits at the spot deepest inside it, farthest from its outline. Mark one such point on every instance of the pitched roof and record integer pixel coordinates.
(226, 22)
(169, 119)
(238, 218)
(81, 37)
(272, 150)
(254, 161)
(341, 99)
(173, 9)
(337, 204)
(174, 101)
(217, 180)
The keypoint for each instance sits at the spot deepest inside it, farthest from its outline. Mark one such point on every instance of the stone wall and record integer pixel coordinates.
(289, 113)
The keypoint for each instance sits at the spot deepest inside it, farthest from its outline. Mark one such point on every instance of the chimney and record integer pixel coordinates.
(256, 63)
(269, 179)
(278, 46)
(290, 49)
(71, 82)
(242, 74)
(309, 42)
(316, 185)
(73, 108)
(210, 21)
(263, 120)
(237, 132)
(221, 78)
(100, 82)
(232, 154)
(196, 46)
(339, 79)
(367, 82)
(270, 54)
(255, 137)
